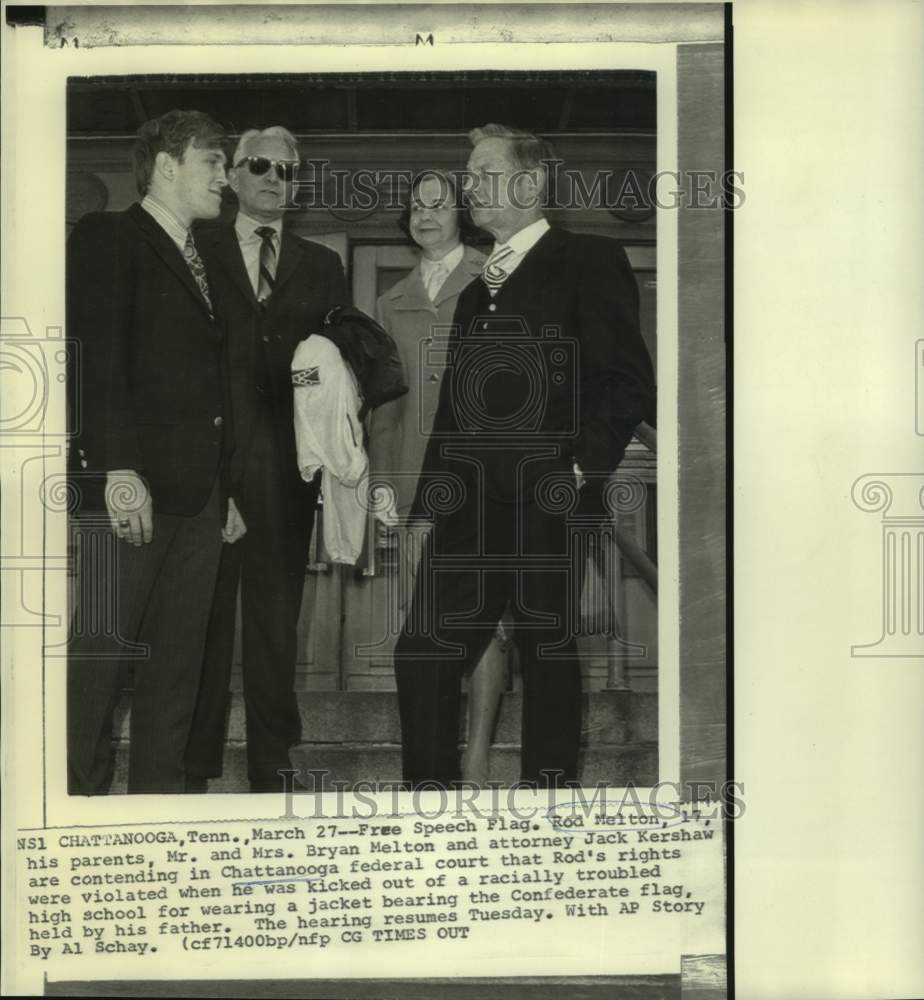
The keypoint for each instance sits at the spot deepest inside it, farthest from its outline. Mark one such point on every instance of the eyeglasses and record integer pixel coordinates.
(258, 166)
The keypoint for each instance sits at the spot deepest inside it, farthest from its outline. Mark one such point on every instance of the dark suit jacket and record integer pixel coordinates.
(147, 388)
(262, 339)
(555, 361)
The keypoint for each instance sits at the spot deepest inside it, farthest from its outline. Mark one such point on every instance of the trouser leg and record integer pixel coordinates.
(431, 655)
(548, 589)
(113, 580)
(429, 697)
(273, 577)
(92, 693)
(174, 625)
(279, 512)
(551, 719)
(205, 748)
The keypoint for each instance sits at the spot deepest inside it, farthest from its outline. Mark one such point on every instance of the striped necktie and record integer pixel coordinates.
(195, 265)
(267, 274)
(493, 274)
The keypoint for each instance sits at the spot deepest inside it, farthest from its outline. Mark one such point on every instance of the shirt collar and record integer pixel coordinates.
(166, 220)
(246, 227)
(450, 261)
(528, 236)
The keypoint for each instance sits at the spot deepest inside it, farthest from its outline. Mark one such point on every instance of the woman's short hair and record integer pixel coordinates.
(469, 233)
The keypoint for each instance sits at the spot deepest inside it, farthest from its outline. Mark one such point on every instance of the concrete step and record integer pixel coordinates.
(353, 762)
(356, 736)
(612, 764)
(372, 717)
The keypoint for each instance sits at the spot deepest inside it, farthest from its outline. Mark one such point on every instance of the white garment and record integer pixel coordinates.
(436, 279)
(168, 221)
(433, 273)
(329, 436)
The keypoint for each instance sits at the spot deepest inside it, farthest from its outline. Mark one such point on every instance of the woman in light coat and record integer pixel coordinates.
(424, 299)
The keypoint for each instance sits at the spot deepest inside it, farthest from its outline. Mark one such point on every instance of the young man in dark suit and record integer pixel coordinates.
(547, 378)
(149, 438)
(273, 289)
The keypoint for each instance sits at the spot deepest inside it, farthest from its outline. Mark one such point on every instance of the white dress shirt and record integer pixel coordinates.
(433, 273)
(521, 243)
(250, 242)
(166, 220)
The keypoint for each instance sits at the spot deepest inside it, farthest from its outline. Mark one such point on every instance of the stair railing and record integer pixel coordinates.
(630, 548)
(644, 565)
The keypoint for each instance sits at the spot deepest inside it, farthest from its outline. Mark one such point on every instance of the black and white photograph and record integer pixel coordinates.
(392, 425)
(457, 461)
(383, 482)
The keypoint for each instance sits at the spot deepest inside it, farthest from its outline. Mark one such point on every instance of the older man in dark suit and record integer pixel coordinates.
(548, 376)
(273, 289)
(147, 454)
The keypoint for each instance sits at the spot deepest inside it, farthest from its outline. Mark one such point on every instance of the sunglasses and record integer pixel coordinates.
(259, 165)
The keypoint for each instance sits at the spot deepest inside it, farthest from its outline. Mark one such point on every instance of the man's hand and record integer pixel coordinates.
(591, 496)
(413, 539)
(131, 512)
(234, 528)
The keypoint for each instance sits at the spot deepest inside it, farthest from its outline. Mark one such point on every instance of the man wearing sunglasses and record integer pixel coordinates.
(272, 289)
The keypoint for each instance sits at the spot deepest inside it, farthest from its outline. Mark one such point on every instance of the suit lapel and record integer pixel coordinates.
(414, 295)
(227, 250)
(542, 256)
(523, 290)
(538, 270)
(168, 251)
(468, 269)
(290, 256)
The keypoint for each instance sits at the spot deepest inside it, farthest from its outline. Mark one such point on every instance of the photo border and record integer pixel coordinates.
(687, 762)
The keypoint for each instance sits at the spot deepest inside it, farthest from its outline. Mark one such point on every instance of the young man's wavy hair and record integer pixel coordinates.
(172, 133)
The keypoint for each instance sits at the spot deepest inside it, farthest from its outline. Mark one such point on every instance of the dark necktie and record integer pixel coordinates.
(267, 273)
(494, 274)
(195, 265)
